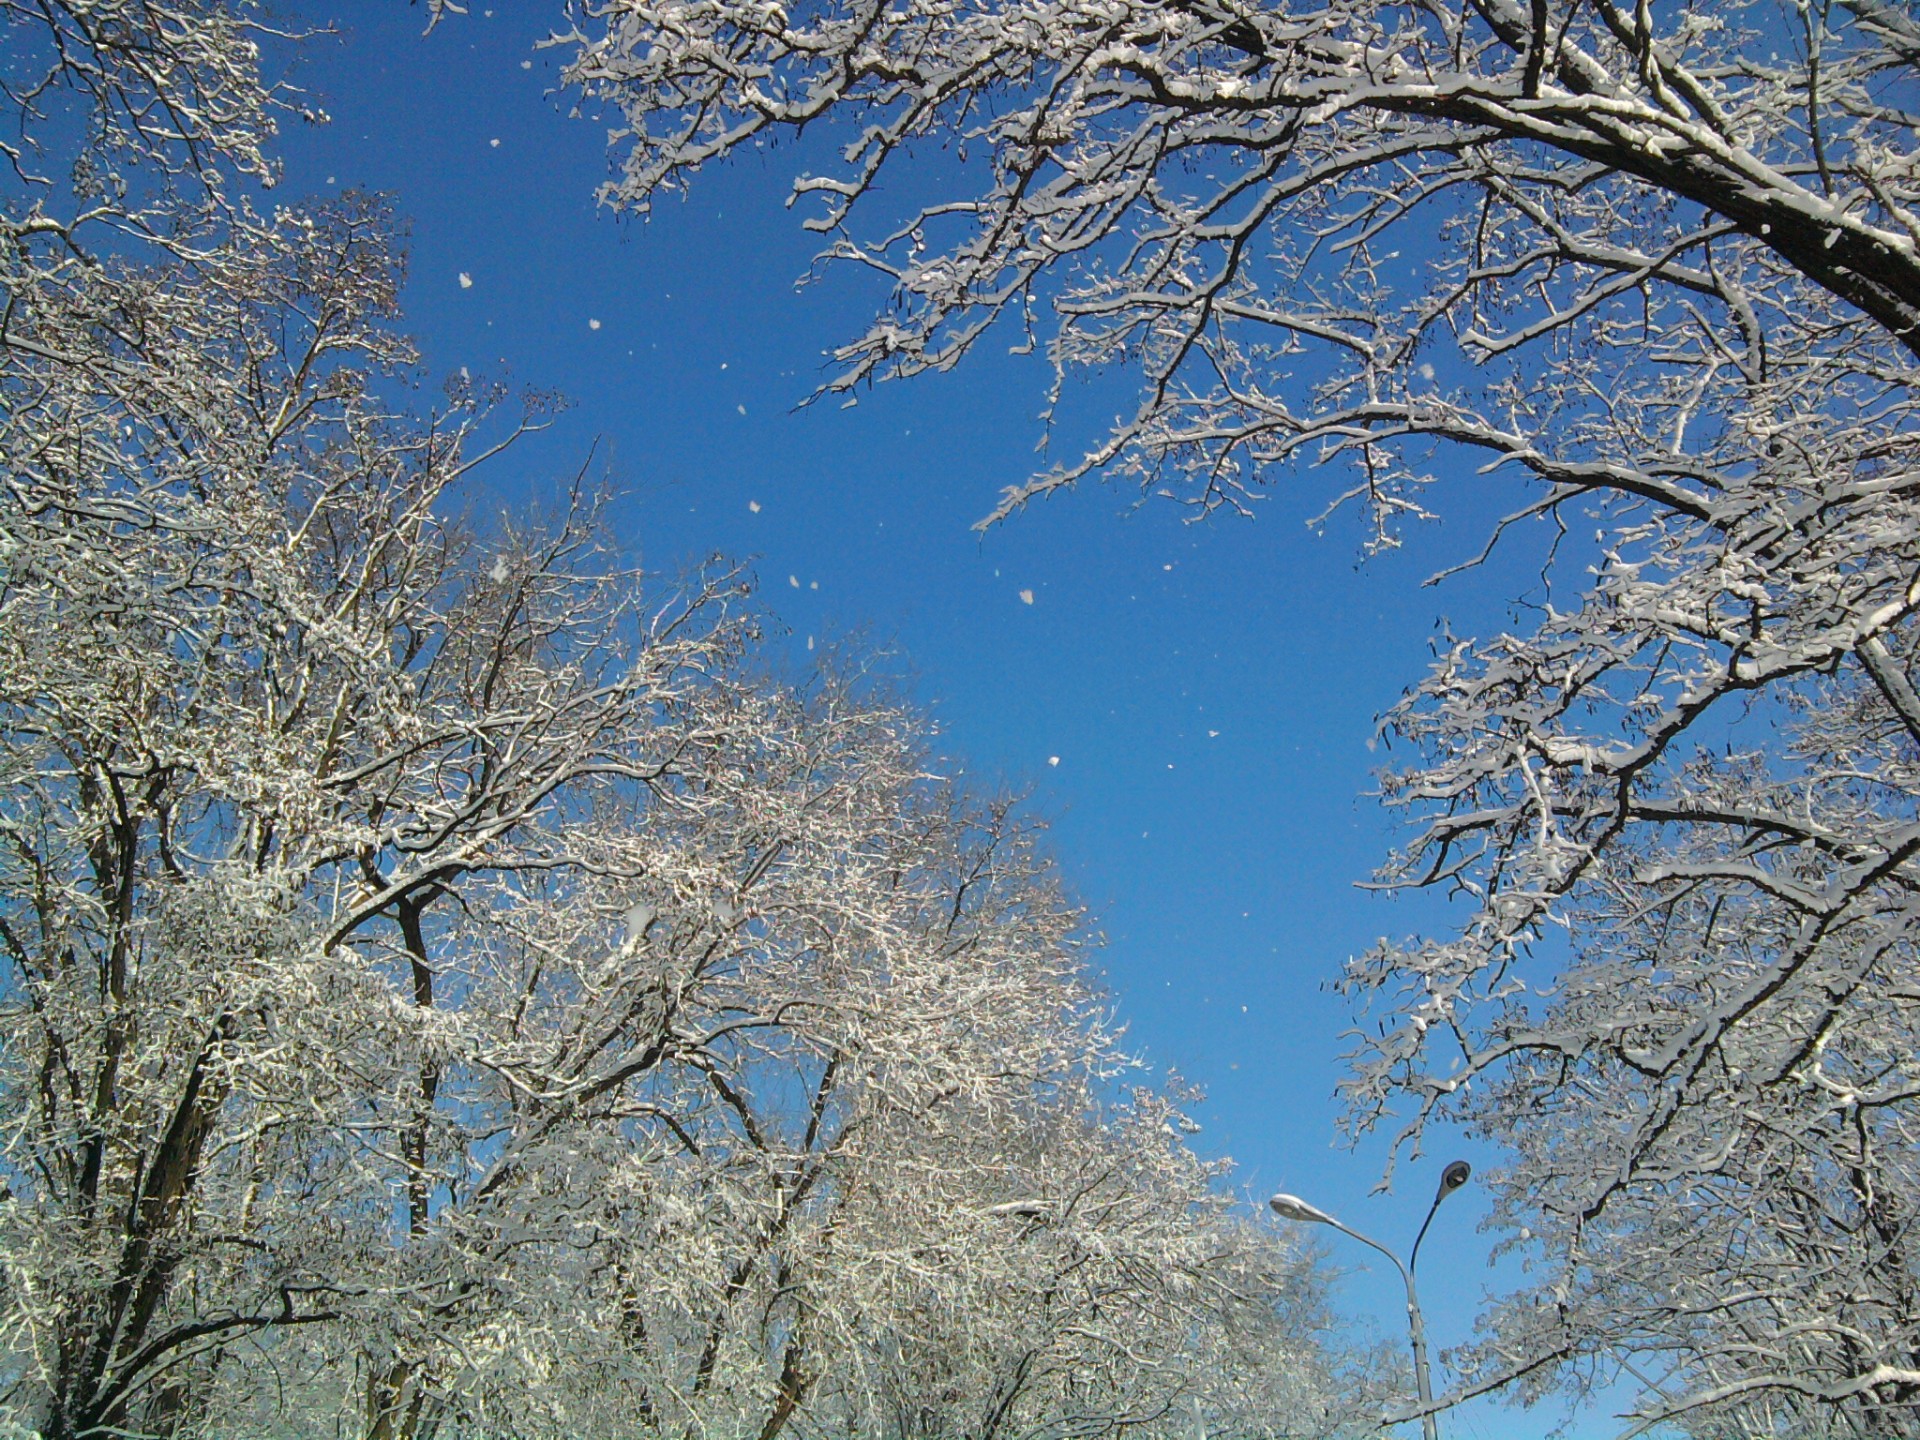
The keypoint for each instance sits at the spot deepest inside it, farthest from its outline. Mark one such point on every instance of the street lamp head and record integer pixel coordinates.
(1292, 1207)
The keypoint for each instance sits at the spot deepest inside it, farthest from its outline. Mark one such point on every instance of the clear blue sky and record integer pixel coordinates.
(1208, 690)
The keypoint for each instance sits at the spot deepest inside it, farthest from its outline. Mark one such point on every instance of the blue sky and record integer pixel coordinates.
(1190, 704)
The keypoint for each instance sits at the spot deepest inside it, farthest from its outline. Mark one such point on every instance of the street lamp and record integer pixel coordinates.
(1292, 1207)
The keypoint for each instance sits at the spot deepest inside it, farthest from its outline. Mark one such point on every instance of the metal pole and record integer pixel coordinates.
(1416, 1331)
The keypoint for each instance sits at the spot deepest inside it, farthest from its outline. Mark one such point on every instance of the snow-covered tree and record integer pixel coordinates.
(450, 988)
(1656, 268)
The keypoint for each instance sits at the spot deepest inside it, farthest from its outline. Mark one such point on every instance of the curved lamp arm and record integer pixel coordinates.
(1451, 1179)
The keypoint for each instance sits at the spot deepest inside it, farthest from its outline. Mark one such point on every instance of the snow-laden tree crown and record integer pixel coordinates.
(1657, 270)
(446, 988)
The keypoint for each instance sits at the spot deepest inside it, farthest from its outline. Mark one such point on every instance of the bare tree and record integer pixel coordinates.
(449, 988)
(1658, 269)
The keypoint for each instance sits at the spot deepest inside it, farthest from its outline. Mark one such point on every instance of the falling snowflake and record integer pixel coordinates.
(466, 281)
(495, 143)
(754, 506)
(741, 408)
(1026, 597)
(593, 324)
(1053, 759)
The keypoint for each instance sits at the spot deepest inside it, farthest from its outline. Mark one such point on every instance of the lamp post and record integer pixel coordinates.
(1292, 1207)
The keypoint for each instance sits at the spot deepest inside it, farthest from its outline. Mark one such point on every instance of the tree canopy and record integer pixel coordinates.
(449, 984)
(1657, 270)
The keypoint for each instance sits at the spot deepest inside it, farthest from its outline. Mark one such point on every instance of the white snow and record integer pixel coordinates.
(639, 916)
